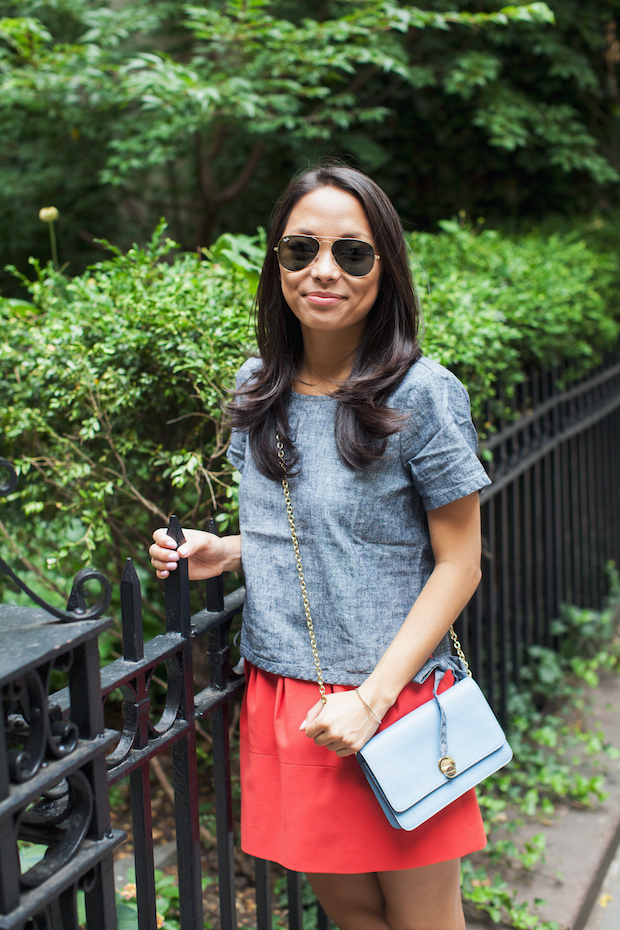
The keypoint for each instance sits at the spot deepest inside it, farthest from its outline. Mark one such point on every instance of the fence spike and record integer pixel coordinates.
(176, 587)
(131, 613)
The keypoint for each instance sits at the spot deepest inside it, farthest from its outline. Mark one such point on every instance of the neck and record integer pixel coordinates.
(325, 363)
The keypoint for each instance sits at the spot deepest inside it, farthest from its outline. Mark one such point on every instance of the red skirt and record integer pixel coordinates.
(311, 811)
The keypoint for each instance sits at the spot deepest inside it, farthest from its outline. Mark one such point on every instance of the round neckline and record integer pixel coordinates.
(296, 395)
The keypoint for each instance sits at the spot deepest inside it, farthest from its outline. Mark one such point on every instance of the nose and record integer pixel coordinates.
(325, 267)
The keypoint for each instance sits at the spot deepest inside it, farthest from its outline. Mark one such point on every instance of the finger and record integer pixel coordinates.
(322, 739)
(162, 554)
(322, 736)
(337, 747)
(160, 566)
(162, 539)
(330, 744)
(312, 715)
(163, 560)
(199, 543)
(340, 747)
(164, 564)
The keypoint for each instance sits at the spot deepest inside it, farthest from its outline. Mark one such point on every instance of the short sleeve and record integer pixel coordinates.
(239, 438)
(439, 443)
(236, 450)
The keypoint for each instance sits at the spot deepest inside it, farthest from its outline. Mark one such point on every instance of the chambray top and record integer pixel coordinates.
(363, 536)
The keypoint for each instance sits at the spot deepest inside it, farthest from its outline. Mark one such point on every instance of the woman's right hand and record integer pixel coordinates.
(208, 555)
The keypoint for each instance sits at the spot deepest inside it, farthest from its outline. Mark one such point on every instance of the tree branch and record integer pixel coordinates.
(235, 188)
(352, 88)
(32, 568)
(107, 432)
(218, 141)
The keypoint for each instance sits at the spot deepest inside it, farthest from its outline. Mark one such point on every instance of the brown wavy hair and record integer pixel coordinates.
(388, 347)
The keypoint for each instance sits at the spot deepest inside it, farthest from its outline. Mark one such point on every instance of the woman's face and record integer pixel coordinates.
(322, 296)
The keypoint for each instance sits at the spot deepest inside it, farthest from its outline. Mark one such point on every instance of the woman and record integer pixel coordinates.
(384, 484)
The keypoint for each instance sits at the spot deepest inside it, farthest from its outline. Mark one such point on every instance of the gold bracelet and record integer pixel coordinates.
(367, 706)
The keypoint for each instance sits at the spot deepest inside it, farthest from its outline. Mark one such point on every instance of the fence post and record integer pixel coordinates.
(184, 761)
(218, 657)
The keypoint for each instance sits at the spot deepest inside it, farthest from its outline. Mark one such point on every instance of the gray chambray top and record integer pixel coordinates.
(363, 536)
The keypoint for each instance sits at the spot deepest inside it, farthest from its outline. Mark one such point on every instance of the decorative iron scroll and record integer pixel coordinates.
(76, 607)
(35, 725)
(59, 819)
(55, 831)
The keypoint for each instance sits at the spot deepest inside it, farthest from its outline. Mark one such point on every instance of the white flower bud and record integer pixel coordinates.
(48, 214)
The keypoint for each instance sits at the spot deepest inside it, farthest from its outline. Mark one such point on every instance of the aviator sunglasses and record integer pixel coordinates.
(354, 256)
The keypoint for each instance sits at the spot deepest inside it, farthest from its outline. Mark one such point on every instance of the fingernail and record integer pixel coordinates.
(184, 551)
(163, 574)
(303, 726)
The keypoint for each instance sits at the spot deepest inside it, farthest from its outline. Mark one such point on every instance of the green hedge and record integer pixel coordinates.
(498, 304)
(111, 382)
(111, 389)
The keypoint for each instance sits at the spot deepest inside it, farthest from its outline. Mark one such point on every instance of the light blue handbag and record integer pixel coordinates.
(433, 755)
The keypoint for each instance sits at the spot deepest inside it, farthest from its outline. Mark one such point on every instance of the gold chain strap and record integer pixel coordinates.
(459, 651)
(300, 573)
(304, 593)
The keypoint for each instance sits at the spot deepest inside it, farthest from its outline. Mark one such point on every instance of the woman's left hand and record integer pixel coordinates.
(342, 725)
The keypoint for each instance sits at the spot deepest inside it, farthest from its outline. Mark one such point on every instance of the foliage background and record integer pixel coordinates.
(120, 112)
(114, 368)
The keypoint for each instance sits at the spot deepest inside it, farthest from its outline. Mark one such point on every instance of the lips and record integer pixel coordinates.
(323, 298)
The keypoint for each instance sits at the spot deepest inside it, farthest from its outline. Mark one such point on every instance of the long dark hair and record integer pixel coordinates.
(387, 349)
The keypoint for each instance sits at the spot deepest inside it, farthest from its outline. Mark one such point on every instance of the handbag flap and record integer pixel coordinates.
(404, 757)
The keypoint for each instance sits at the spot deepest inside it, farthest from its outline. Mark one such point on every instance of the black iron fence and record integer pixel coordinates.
(64, 810)
(550, 522)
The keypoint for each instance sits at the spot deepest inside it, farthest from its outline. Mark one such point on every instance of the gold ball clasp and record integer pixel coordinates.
(447, 766)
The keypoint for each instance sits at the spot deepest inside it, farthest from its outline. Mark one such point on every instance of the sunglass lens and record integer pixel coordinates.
(297, 252)
(354, 256)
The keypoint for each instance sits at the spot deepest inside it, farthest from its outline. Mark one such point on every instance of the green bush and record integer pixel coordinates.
(111, 382)
(500, 303)
(112, 385)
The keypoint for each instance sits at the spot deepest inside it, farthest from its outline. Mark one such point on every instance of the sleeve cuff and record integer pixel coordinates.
(449, 495)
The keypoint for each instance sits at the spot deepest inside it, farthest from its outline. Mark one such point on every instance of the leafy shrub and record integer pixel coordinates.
(112, 385)
(498, 304)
